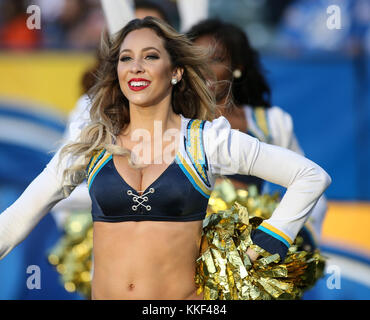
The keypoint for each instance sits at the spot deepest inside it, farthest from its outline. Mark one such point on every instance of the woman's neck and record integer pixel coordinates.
(151, 119)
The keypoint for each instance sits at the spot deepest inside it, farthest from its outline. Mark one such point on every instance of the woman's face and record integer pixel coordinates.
(220, 64)
(144, 68)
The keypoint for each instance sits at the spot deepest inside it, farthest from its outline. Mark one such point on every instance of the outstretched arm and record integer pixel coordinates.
(18, 220)
(230, 151)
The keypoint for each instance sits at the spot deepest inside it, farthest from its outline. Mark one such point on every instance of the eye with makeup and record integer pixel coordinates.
(124, 58)
(151, 56)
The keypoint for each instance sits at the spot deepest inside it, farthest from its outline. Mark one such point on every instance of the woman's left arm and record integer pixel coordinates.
(282, 133)
(230, 151)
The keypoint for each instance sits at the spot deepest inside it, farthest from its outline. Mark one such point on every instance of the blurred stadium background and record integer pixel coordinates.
(321, 76)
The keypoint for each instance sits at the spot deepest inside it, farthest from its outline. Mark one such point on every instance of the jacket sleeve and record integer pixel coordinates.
(230, 151)
(282, 132)
(18, 220)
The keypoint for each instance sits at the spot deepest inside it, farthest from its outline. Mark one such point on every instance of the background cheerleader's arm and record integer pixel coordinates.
(230, 151)
(117, 13)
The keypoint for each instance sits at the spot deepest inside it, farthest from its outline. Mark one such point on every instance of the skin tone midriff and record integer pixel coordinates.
(145, 260)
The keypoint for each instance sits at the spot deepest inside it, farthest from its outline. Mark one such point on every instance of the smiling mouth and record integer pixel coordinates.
(137, 85)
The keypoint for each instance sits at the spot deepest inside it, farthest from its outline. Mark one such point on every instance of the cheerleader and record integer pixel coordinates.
(147, 213)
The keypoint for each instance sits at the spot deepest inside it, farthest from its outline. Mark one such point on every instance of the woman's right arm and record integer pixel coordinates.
(18, 220)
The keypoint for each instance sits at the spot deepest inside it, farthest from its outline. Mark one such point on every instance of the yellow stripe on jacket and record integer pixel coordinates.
(276, 231)
(195, 179)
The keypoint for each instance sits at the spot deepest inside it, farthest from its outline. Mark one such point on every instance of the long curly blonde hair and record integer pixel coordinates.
(109, 113)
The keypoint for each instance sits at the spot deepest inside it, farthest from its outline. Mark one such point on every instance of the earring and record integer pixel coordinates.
(173, 81)
(237, 73)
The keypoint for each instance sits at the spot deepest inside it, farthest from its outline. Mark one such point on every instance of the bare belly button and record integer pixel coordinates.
(131, 286)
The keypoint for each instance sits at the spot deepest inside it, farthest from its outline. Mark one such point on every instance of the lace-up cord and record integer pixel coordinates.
(140, 199)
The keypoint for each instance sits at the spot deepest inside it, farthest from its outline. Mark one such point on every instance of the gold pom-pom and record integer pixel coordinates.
(72, 255)
(224, 270)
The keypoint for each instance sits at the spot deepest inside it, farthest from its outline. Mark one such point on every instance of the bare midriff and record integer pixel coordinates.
(154, 260)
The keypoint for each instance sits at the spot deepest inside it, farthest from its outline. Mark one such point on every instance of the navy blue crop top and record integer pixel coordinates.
(180, 193)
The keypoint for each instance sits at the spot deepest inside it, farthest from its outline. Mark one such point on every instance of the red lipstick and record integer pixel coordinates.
(138, 84)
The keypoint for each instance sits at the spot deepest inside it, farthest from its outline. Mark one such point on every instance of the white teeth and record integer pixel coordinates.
(139, 83)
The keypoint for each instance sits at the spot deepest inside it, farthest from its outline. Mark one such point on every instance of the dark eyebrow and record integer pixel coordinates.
(145, 49)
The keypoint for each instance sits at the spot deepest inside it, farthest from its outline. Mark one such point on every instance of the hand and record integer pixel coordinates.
(253, 255)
